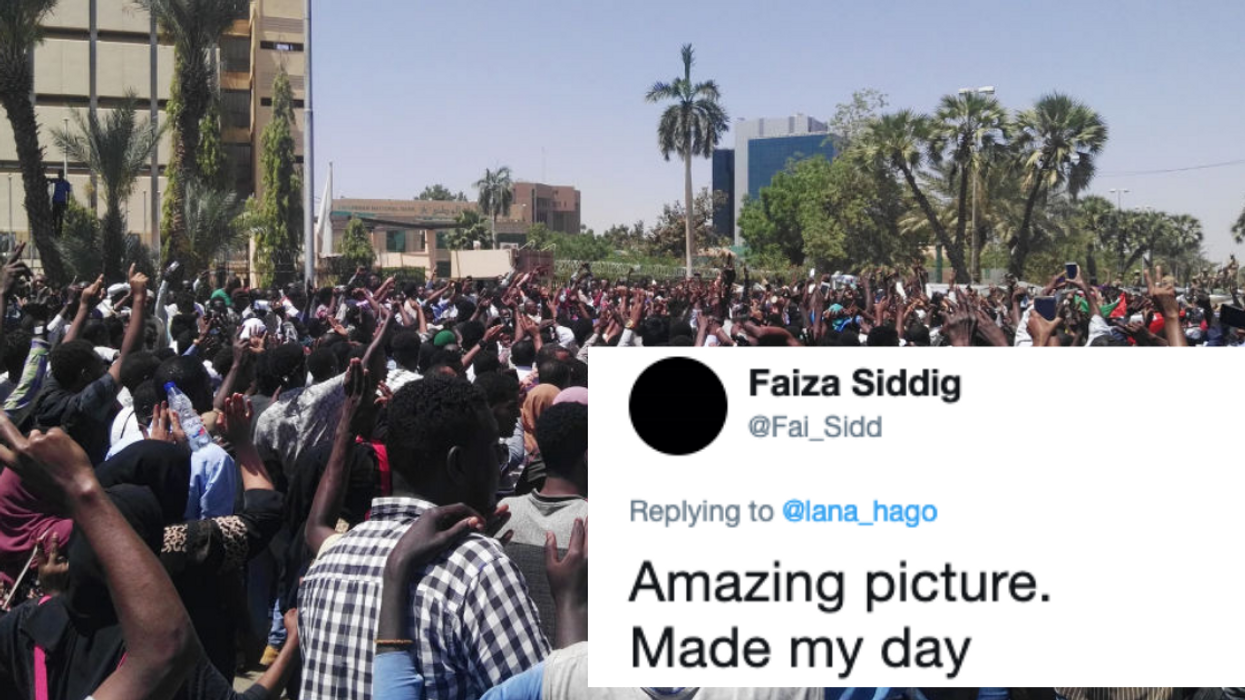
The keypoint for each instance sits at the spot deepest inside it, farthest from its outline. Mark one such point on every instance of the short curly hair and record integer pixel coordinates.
(70, 360)
(427, 418)
(562, 434)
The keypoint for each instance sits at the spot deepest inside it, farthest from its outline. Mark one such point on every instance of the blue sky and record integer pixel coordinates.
(413, 93)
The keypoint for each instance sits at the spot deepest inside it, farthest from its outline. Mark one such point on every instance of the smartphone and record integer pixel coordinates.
(1045, 306)
(1072, 270)
(1231, 316)
(825, 287)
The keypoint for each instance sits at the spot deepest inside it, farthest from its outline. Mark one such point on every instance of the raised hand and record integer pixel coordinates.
(14, 271)
(92, 291)
(234, 423)
(431, 534)
(50, 464)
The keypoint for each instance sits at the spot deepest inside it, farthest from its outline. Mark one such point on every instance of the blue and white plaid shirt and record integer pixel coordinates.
(470, 616)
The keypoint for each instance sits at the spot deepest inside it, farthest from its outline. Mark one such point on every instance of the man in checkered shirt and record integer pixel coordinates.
(470, 617)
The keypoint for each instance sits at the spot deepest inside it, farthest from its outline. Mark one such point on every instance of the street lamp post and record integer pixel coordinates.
(1119, 197)
(974, 254)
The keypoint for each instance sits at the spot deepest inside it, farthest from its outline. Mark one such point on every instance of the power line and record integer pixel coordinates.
(1164, 171)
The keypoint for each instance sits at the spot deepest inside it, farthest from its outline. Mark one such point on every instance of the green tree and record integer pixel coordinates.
(668, 237)
(1238, 229)
(496, 194)
(471, 228)
(569, 246)
(212, 159)
(851, 119)
(194, 26)
(440, 193)
(356, 246)
(691, 126)
(902, 142)
(84, 238)
(829, 214)
(1096, 216)
(1057, 140)
(21, 29)
(971, 125)
(280, 238)
(117, 149)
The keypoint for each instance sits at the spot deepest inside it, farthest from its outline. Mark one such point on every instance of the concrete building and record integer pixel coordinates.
(558, 207)
(405, 233)
(88, 62)
(763, 148)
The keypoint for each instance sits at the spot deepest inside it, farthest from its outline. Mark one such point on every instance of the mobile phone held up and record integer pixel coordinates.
(1045, 306)
(1072, 270)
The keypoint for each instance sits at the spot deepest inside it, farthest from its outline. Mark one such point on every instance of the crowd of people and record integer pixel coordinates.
(378, 490)
(364, 490)
(887, 307)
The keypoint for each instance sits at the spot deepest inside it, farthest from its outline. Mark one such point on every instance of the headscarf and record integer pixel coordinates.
(538, 399)
(574, 394)
(24, 519)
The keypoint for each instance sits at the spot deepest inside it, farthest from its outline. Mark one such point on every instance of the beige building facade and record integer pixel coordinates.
(131, 57)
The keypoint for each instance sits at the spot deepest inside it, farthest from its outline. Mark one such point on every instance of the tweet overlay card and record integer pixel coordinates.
(780, 517)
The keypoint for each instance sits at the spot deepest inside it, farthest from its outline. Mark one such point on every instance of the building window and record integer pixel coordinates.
(236, 105)
(443, 268)
(235, 54)
(441, 240)
(267, 102)
(395, 242)
(280, 46)
(421, 241)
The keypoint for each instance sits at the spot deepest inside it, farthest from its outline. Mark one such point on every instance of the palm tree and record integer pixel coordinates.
(1096, 217)
(21, 29)
(901, 141)
(1057, 141)
(692, 126)
(212, 219)
(496, 195)
(1184, 247)
(195, 27)
(117, 149)
(973, 126)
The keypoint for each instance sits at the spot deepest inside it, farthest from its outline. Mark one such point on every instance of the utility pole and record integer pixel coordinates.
(309, 160)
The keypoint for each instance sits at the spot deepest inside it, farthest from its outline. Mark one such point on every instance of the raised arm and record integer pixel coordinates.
(13, 272)
(331, 493)
(134, 332)
(1163, 295)
(234, 425)
(86, 302)
(161, 646)
(568, 581)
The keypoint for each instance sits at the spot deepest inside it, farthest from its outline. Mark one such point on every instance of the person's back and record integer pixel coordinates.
(453, 600)
(473, 624)
(562, 433)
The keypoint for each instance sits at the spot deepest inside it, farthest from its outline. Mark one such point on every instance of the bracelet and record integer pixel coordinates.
(396, 643)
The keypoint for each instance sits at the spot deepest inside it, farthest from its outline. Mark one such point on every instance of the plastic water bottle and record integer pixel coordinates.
(196, 434)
